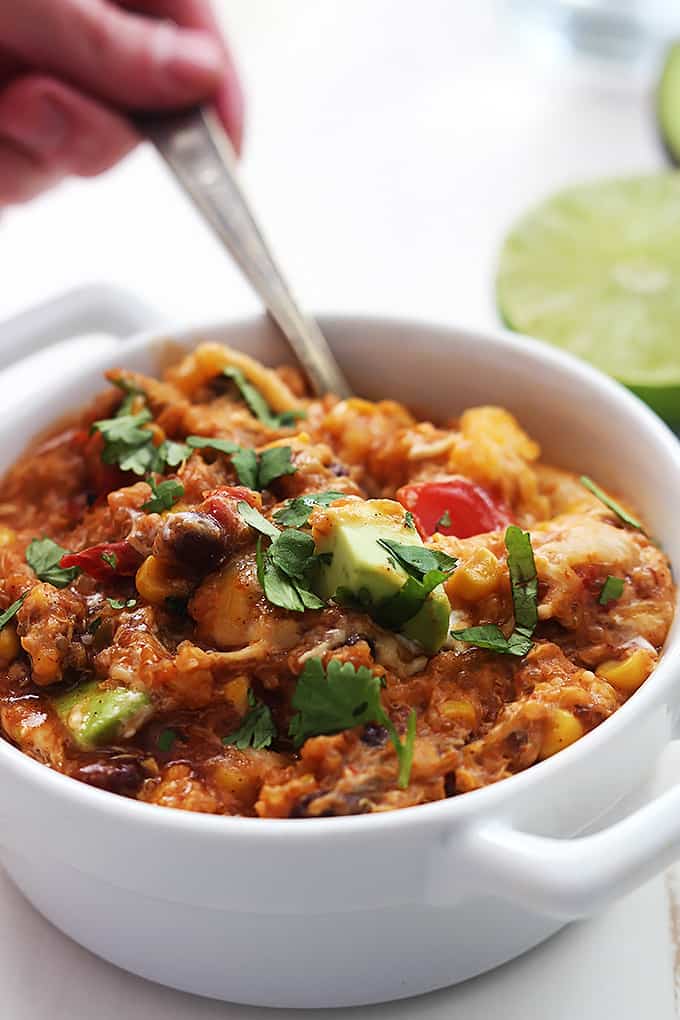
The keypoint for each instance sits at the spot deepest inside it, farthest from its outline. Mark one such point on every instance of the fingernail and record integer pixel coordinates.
(42, 127)
(194, 60)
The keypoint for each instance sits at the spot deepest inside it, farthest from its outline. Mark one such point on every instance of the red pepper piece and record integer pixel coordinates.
(126, 558)
(470, 508)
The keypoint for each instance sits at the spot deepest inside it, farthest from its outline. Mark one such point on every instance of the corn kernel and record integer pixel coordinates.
(459, 711)
(563, 729)
(155, 585)
(7, 536)
(477, 578)
(9, 644)
(237, 693)
(627, 674)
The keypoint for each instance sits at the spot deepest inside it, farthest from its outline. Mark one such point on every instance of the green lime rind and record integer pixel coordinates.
(668, 104)
(595, 270)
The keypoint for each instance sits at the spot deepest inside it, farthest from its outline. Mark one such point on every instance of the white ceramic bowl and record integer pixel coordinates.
(342, 911)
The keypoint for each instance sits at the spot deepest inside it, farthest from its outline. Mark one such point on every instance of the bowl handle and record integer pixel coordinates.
(572, 878)
(96, 308)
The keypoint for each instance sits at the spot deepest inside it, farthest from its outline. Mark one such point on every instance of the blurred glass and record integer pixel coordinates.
(632, 31)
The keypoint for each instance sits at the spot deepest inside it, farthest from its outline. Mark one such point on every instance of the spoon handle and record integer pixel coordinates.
(198, 152)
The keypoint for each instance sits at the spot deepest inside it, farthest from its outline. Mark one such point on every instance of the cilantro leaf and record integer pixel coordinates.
(256, 520)
(274, 463)
(293, 553)
(341, 697)
(334, 699)
(131, 391)
(257, 403)
(257, 729)
(444, 521)
(111, 559)
(11, 611)
(255, 471)
(612, 504)
(43, 556)
(122, 603)
(206, 442)
(491, 637)
(524, 587)
(393, 612)
(166, 739)
(164, 495)
(246, 464)
(126, 443)
(295, 513)
(409, 520)
(427, 568)
(612, 589)
(418, 560)
(171, 454)
(523, 577)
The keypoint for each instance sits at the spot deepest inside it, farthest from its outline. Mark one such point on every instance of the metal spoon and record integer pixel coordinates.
(197, 150)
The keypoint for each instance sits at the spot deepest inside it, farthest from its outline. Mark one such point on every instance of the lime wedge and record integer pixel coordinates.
(668, 104)
(595, 269)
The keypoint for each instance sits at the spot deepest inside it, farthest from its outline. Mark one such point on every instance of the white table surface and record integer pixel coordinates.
(389, 144)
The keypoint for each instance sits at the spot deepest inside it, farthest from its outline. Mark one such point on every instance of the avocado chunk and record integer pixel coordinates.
(353, 563)
(95, 716)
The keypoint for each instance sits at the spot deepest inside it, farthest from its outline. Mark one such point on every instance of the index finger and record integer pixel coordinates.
(200, 14)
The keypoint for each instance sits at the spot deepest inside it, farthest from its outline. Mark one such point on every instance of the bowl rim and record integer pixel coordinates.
(448, 811)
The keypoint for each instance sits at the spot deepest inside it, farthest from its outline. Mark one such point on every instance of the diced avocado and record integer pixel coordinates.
(95, 716)
(355, 563)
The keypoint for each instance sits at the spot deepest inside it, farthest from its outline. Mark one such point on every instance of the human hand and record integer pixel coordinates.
(70, 71)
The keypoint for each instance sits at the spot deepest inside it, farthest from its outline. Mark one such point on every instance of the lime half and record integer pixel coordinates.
(668, 104)
(596, 270)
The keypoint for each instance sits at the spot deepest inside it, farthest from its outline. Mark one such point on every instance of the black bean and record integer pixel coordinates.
(118, 775)
(192, 541)
(374, 735)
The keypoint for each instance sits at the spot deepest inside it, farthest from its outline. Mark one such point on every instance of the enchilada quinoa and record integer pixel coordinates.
(220, 595)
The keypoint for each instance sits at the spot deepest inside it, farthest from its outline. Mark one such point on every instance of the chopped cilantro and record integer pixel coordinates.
(427, 569)
(257, 403)
(205, 442)
(340, 697)
(444, 521)
(246, 464)
(43, 557)
(131, 391)
(257, 729)
(274, 463)
(255, 519)
(164, 495)
(111, 559)
(94, 625)
(129, 445)
(612, 589)
(166, 739)
(613, 506)
(255, 471)
(523, 578)
(11, 611)
(281, 589)
(417, 560)
(171, 453)
(491, 637)
(295, 513)
(524, 587)
(122, 603)
(409, 520)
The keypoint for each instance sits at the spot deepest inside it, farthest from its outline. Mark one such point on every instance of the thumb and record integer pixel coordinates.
(131, 61)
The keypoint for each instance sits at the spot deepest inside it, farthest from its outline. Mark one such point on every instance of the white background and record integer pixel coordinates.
(389, 145)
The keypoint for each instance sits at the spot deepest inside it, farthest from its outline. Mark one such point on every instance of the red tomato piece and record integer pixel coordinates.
(126, 559)
(453, 506)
